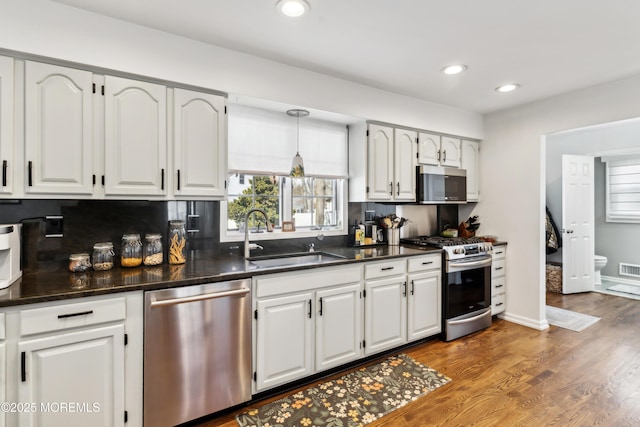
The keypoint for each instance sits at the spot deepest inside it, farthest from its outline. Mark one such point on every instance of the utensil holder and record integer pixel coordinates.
(393, 236)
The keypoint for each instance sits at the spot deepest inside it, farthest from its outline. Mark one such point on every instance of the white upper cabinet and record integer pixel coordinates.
(450, 152)
(470, 159)
(382, 162)
(200, 141)
(58, 130)
(438, 150)
(428, 149)
(405, 165)
(380, 174)
(6, 125)
(135, 137)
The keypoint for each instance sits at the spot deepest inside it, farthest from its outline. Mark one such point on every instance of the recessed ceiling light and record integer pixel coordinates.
(292, 8)
(508, 87)
(454, 69)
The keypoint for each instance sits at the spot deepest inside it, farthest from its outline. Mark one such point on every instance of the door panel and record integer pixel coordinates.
(380, 163)
(577, 224)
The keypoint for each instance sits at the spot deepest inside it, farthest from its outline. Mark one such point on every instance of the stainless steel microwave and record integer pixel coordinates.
(440, 185)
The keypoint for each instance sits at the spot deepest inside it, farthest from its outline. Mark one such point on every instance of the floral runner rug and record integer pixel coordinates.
(355, 399)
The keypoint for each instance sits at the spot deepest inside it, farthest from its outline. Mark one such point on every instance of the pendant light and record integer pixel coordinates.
(297, 166)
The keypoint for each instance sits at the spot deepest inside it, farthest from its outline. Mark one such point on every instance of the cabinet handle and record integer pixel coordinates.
(444, 156)
(320, 302)
(386, 268)
(498, 286)
(499, 304)
(427, 262)
(498, 252)
(438, 156)
(30, 173)
(412, 287)
(309, 309)
(499, 268)
(4, 173)
(80, 313)
(178, 179)
(391, 188)
(404, 289)
(162, 179)
(23, 366)
(398, 188)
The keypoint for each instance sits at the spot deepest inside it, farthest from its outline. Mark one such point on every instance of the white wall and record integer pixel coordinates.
(50, 29)
(512, 167)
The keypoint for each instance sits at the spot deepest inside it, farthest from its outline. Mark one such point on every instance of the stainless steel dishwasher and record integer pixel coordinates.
(197, 351)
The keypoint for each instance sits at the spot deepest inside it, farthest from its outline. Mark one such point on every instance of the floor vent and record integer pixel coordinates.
(632, 270)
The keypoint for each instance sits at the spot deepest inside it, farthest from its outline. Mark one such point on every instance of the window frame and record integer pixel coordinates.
(613, 215)
(286, 201)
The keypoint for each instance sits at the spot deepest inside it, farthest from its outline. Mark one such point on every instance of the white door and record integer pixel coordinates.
(284, 331)
(58, 130)
(200, 139)
(338, 326)
(405, 165)
(385, 314)
(577, 224)
(135, 137)
(380, 163)
(6, 125)
(84, 369)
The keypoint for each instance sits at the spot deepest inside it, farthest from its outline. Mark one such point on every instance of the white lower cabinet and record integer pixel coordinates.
(498, 279)
(76, 363)
(403, 301)
(3, 368)
(305, 322)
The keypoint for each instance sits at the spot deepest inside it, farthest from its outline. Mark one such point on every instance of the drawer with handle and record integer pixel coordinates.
(424, 263)
(384, 269)
(67, 316)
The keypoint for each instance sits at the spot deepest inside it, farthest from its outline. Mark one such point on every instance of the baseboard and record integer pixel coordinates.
(621, 280)
(525, 321)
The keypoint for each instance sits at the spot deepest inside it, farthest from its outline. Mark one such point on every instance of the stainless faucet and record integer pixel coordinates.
(248, 246)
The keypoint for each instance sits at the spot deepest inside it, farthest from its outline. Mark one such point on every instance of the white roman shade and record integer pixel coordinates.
(623, 189)
(264, 142)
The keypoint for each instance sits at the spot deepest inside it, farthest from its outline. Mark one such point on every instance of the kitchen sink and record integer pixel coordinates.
(298, 258)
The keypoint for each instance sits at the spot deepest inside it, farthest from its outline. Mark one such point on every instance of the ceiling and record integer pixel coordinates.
(549, 47)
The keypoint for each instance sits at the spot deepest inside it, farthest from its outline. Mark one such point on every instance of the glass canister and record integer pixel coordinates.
(152, 249)
(177, 242)
(103, 256)
(131, 251)
(79, 262)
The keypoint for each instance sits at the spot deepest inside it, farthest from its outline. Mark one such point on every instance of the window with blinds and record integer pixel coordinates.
(623, 190)
(261, 146)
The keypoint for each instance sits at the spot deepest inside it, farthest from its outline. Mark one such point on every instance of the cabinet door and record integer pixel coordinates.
(450, 152)
(380, 163)
(469, 161)
(200, 139)
(58, 130)
(135, 137)
(405, 165)
(424, 305)
(428, 149)
(284, 340)
(84, 369)
(338, 326)
(385, 314)
(6, 125)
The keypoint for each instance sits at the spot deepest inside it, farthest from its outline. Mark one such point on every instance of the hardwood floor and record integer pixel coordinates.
(511, 375)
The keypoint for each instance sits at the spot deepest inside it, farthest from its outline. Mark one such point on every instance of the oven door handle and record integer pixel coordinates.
(470, 319)
(462, 266)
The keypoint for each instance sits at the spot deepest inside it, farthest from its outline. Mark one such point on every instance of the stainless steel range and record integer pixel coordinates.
(466, 281)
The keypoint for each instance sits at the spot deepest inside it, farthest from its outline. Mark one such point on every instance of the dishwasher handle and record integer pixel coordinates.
(201, 297)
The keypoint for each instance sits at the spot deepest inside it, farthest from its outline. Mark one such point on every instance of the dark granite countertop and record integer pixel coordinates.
(54, 282)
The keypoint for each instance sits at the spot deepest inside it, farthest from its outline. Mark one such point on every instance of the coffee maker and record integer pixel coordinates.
(9, 254)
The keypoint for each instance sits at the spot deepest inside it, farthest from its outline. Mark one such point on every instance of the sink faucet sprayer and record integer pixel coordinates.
(248, 246)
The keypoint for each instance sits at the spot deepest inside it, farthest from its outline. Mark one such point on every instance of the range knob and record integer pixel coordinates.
(458, 251)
